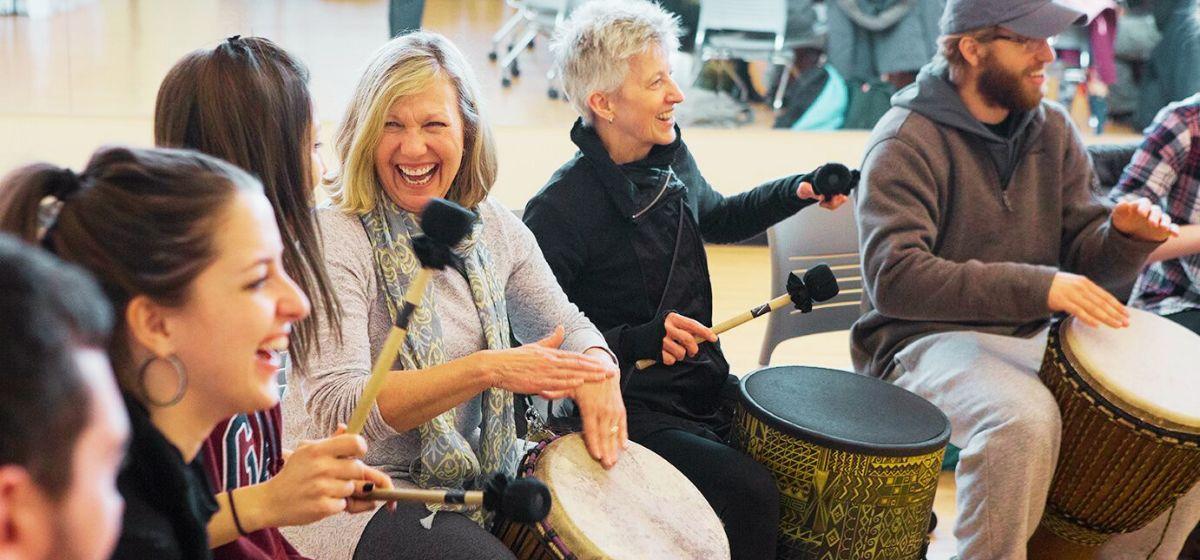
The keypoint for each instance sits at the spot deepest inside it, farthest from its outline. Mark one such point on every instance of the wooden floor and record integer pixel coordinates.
(88, 76)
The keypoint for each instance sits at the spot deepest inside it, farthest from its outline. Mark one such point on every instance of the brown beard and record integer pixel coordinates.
(1004, 88)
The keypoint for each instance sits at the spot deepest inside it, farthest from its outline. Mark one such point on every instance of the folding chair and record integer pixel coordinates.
(747, 30)
(811, 237)
(530, 19)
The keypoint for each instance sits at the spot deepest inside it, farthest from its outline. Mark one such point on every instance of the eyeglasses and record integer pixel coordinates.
(1030, 44)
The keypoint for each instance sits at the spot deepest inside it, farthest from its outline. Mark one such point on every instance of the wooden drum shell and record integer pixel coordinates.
(1117, 468)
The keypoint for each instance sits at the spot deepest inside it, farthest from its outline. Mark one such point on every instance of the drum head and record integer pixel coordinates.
(1152, 365)
(845, 411)
(641, 508)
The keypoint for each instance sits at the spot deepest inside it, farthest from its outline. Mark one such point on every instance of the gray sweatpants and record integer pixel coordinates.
(1007, 424)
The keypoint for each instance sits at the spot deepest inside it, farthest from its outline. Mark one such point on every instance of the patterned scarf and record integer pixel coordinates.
(446, 459)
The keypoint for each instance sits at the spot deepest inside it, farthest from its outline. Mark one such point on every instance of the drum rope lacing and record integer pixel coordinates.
(543, 528)
(1069, 526)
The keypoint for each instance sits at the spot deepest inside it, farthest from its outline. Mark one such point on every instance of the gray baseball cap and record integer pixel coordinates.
(1039, 19)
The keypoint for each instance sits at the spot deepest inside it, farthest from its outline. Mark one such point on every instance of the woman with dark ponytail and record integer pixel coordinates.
(266, 128)
(186, 249)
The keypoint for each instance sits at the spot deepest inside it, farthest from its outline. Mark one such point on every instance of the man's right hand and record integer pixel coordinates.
(680, 339)
(1082, 298)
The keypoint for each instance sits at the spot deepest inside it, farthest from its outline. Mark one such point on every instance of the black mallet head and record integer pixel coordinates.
(818, 284)
(833, 179)
(445, 224)
(523, 500)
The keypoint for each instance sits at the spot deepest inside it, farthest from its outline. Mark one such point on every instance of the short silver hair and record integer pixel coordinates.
(592, 48)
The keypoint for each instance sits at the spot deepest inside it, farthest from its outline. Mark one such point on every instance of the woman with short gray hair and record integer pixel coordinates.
(593, 49)
(623, 226)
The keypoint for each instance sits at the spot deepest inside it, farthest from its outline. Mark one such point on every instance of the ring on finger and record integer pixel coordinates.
(614, 429)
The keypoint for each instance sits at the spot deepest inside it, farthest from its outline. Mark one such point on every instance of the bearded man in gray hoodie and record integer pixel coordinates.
(976, 226)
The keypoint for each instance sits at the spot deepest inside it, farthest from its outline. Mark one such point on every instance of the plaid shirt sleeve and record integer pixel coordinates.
(1166, 169)
(1156, 165)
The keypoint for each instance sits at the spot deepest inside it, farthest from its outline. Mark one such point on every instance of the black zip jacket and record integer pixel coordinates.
(168, 503)
(626, 254)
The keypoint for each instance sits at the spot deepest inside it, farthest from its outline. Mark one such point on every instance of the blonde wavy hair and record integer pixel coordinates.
(405, 66)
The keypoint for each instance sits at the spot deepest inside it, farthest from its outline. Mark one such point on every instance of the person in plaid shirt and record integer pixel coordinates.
(1166, 169)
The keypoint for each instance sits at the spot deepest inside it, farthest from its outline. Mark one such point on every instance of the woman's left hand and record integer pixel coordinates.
(602, 409)
(806, 192)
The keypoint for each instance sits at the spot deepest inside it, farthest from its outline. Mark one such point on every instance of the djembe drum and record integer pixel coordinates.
(641, 508)
(1130, 404)
(856, 460)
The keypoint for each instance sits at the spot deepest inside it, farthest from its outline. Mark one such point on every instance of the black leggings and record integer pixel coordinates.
(1189, 319)
(400, 535)
(741, 491)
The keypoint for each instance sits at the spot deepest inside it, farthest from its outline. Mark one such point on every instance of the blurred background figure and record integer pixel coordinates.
(1086, 65)
(404, 15)
(1171, 73)
(878, 46)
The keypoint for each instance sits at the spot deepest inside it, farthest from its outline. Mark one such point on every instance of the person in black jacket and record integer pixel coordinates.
(623, 226)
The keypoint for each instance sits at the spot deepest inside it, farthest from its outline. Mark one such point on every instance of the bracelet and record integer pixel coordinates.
(236, 522)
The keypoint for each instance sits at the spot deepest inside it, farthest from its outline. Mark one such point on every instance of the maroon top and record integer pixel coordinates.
(242, 451)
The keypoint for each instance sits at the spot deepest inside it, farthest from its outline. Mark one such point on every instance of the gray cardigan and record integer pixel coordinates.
(331, 384)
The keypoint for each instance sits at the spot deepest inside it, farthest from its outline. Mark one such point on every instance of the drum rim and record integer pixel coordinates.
(590, 548)
(841, 444)
(1111, 396)
(1113, 402)
(527, 468)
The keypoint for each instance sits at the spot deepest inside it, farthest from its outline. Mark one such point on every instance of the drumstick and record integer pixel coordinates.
(524, 500)
(445, 224)
(818, 284)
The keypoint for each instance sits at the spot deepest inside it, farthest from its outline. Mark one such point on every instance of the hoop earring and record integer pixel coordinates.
(180, 373)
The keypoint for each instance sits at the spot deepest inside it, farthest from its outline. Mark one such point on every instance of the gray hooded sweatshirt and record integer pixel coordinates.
(962, 229)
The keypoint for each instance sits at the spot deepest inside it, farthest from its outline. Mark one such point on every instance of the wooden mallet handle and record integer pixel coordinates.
(818, 284)
(744, 317)
(444, 224)
(472, 498)
(387, 355)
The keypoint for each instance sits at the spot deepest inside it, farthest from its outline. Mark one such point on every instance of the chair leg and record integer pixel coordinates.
(502, 33)
(782, 88)
(768, 345)
(510, 57)
(551, 79)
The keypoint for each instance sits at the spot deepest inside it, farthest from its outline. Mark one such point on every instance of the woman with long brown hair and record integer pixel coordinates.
(246, 101)
(186, 250)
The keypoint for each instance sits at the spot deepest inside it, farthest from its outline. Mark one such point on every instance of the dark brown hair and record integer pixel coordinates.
(246, 101)
(142, 221)
(48, 310)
